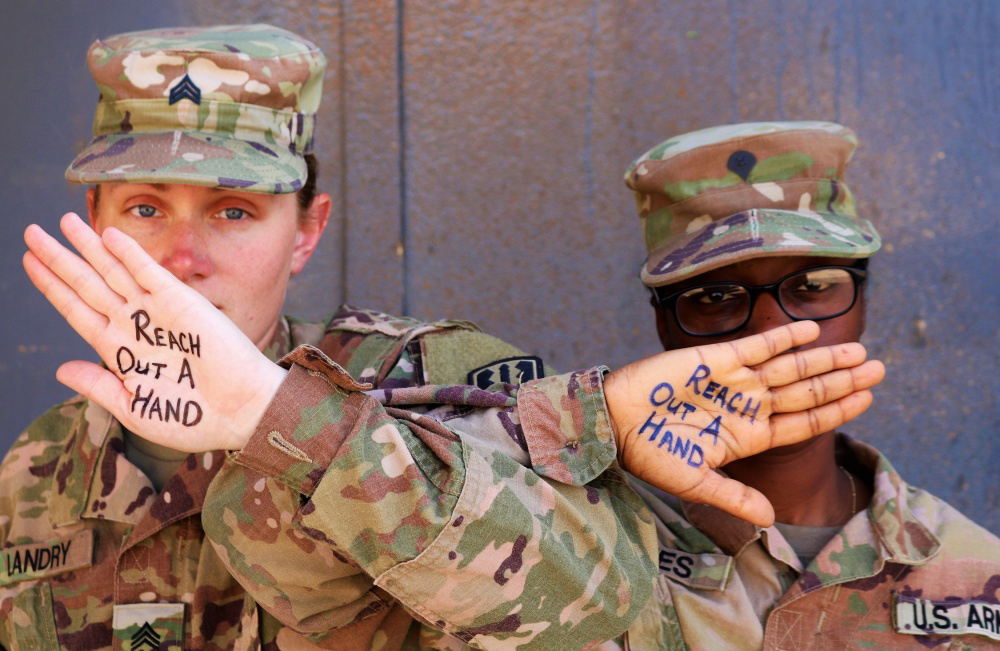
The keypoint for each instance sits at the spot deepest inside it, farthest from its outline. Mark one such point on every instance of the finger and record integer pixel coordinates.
(90, 245)
(819, 390)
(757, 349)
(103, 387)
(786, 369)
(146, 272)
(72, 270)
(733, 497)
(801, 425)
(88, 323)
(97, 384)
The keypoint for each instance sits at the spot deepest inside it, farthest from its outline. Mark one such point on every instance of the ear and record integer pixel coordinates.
(92, 207)
(311, 227)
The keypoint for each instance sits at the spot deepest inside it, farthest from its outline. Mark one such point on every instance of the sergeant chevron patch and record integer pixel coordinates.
(144, 627)
(185, 89)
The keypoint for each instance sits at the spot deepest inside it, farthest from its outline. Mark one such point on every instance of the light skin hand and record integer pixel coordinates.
(681, 414)
(172, 355)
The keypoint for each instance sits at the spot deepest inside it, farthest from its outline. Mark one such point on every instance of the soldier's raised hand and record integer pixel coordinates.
(179, 372)
(681, 414)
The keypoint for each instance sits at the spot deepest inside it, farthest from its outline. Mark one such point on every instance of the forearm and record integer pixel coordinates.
(467, 529)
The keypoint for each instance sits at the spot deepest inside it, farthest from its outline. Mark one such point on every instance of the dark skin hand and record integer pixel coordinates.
(802, 481)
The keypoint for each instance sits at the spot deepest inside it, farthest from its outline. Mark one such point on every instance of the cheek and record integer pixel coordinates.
(150, 235)
(843, 329)
(261, 270)
(266, 260)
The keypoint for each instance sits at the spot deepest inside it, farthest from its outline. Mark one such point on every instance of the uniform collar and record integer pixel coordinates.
(93, 479)
(292, 333)
(904, 537)
(78, 463)
(888, 525)
(280, 342)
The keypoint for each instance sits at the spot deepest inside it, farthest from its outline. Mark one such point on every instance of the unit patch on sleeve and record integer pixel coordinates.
(939, 617)
(512, 370)
(36, 560)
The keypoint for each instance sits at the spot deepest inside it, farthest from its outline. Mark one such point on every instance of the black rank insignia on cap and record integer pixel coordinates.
(513, 370)
(741, 164)
(145, 638)
(185, 89)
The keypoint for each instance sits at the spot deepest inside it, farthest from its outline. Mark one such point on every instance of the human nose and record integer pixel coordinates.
(186, 255)
(766, 315)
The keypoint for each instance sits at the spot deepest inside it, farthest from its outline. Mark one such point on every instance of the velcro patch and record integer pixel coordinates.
(937, 617)
(706, 571)
(37, 560)
(149, 627)
(512, 370)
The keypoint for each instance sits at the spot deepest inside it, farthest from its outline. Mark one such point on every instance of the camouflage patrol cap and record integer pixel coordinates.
(230, 106)
(725, 194)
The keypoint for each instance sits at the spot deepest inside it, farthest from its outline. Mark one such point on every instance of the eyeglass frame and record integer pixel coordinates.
(858, 273)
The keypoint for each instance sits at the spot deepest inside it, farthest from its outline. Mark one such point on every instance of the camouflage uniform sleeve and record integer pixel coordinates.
(500, 519)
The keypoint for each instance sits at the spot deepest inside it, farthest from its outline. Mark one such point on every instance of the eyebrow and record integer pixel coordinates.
(162, 187)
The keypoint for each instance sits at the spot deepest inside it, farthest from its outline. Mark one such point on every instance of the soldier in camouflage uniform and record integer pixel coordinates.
(748, 227)
(369, 496)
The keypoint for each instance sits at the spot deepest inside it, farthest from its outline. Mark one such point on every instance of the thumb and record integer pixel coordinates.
(96, 383)
(733, 497)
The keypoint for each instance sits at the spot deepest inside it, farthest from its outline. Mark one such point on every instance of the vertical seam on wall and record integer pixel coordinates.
(344, 186)
(838, 74)
(404, 230)
(733, 32)
(809, 52)
(588, 128)
(782, 66)
(859, 54)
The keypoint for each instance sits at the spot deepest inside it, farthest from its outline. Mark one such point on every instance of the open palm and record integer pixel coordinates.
(179, 372)
(681, 414)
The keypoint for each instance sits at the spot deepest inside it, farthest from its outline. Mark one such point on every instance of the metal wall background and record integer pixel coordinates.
(475, 152)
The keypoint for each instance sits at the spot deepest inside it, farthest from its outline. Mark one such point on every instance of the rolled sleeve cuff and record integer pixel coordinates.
(313, 412)
(567, 426)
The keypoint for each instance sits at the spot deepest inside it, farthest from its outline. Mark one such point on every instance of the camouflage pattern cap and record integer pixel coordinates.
(725, 194)
(225, 106)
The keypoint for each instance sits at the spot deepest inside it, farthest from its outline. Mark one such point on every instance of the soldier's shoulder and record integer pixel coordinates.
(29, 467)
(365, 321)
(958, 534)
(466, 356)
(450, 351)
(49, 432)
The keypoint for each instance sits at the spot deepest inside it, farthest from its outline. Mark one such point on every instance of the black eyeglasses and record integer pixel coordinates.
(715, 309)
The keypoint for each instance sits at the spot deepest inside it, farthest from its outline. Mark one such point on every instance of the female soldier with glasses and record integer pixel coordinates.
(750, 227)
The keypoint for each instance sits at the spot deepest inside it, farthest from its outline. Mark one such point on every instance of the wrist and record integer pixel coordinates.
(270, 379)
(614, 395)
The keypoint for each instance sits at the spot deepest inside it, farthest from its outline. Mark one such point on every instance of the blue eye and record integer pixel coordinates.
(145, 210)
(234, 213)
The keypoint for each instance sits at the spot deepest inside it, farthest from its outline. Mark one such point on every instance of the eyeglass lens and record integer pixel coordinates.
(812, 294)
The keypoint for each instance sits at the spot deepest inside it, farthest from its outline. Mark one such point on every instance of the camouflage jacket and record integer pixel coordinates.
(910, 572)
(342, 506)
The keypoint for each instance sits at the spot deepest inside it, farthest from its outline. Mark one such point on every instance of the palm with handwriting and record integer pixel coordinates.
(783, 399)
(206, 398)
